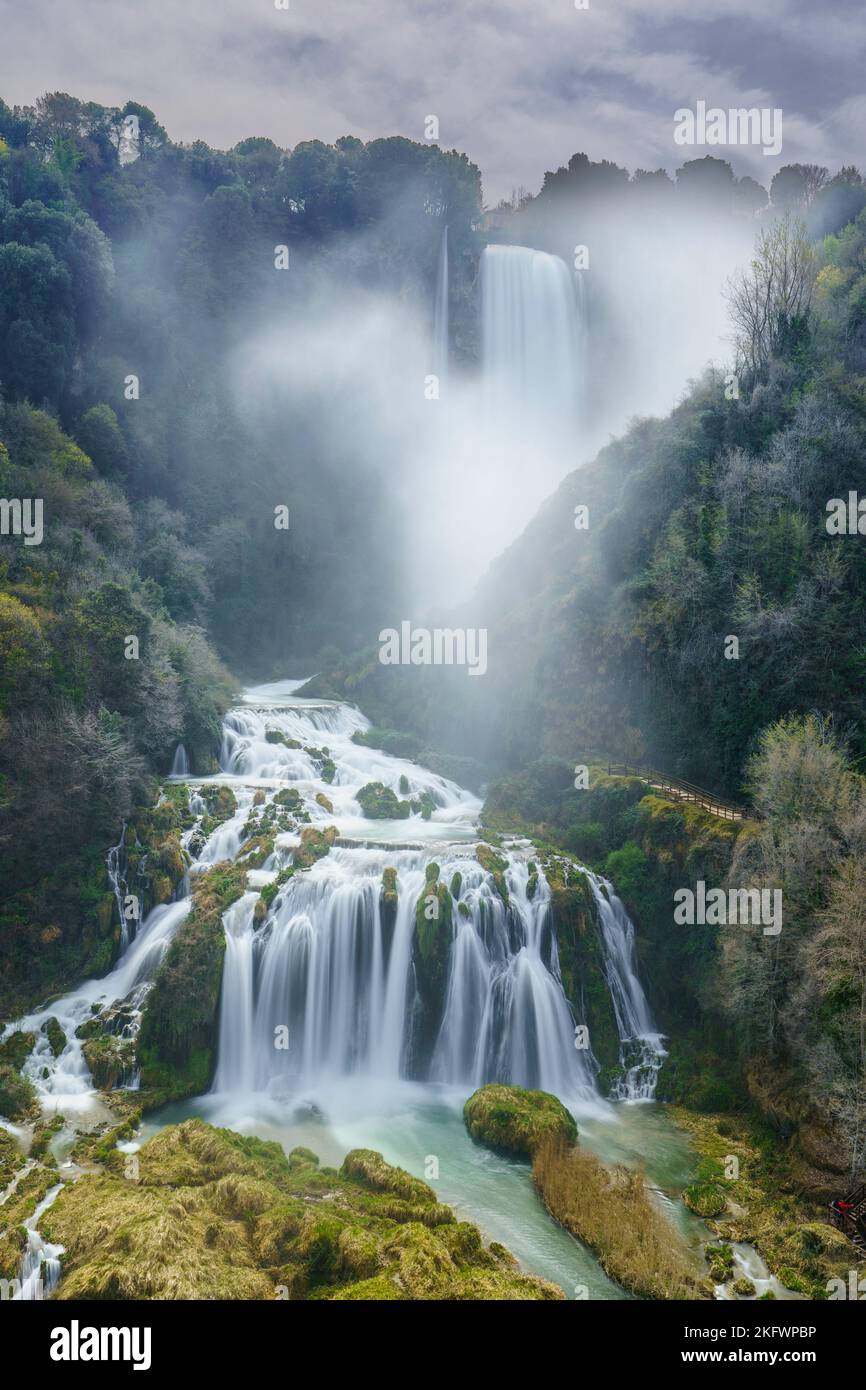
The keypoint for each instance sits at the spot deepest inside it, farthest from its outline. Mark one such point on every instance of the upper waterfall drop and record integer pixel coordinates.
(532, 344)
(440, 315)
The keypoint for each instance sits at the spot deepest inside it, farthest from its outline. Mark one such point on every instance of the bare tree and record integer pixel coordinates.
(773, 295)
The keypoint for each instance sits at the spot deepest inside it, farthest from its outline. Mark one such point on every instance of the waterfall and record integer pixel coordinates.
(40, 1263)
(180, 765)
(440, 316)
(327, 984)
(641, 1050)
(532, 347)
(506, 1016)
(64, 1083)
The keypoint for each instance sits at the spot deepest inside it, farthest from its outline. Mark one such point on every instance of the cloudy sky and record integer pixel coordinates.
(520, 85)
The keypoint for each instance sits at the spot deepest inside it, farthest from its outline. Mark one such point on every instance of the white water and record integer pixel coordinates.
(533, 352)
(180, 764)
(327, 978)
(440, 317)
(40, 1264)
(641, 1050)
(64, 1083)
(325, 972)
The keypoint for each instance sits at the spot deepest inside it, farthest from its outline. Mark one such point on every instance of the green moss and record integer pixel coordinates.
(55, 1035)
(493, 864)
(177, 1042)
(379, 802)
(110, 1059)
(515, 1121)
(274, 736)
(214, 1215)
(315, 844)
(16, 1049)
(221, 804)
(705, 1199)
(431, 944)
(325, 802)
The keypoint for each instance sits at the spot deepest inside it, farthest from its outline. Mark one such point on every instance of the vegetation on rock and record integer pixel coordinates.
(515, 1121)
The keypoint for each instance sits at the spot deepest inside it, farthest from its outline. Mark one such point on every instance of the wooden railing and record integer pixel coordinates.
(852, 1221)
(682, 790)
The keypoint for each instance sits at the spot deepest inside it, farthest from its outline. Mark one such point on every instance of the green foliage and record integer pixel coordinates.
(379, 802)
(515, 1121)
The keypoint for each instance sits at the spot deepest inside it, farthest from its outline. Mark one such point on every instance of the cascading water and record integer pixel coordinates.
(180, 764)
(324, 992)
(641, 1050)
(325, 988)
(330, 973)
(532, 345)
(440, 315)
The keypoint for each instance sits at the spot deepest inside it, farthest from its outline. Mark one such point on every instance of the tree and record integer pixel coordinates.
(836, 960)
(797, 185)
(769, 303)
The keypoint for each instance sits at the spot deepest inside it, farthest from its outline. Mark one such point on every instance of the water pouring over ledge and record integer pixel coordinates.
(337, 971)
(342, 976)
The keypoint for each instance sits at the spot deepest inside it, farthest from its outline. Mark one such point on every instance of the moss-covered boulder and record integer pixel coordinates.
(16, 1049)
(17, 1095)
(379, 802)
(214, 1215)
(221, 804)
(275, 736)
(315, 844)
(493, 864)
(431, 945)
(513, 1120)
(55, 1035)
(574, 922)
(325, 802)
(110, 1059)
(178, 1037)
(389, 901)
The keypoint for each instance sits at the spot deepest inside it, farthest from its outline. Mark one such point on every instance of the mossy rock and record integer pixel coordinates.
(744, 1288)
(315, 844)
(177, 1041)
(325, 802)
(514, 1121)
(721, 1262)
(275, 736)
(705, 1199)
(55, 1035)
(110, 1059)
(493, 864)
(220, 801)
(379, 802)
(17, 1095)
(16, 1049)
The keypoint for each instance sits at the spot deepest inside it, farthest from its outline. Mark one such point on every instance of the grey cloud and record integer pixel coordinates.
(518, 85)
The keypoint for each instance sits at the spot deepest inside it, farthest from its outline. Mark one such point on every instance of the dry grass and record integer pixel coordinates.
(610, 1210)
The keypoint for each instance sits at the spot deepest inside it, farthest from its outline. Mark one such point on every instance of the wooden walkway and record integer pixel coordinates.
(853, 1221)
(682, 791)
